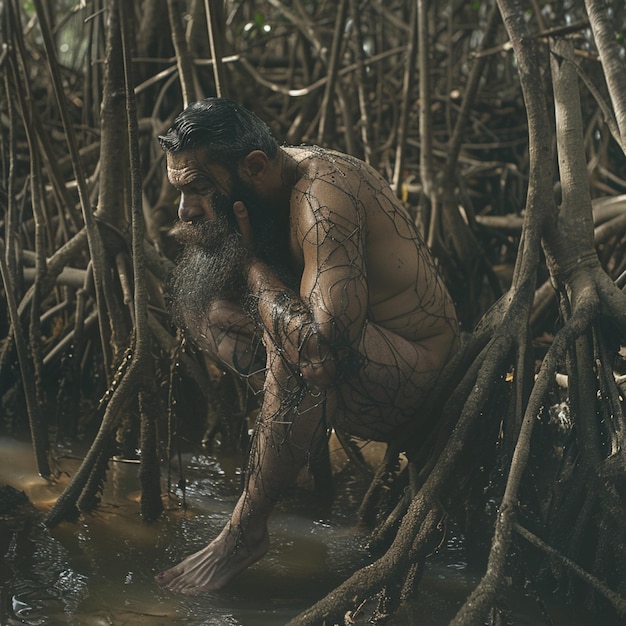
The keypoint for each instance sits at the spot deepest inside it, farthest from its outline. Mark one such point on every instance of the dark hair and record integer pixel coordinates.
(226, 131)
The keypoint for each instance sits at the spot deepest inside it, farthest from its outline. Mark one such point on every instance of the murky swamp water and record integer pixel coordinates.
(100, 570)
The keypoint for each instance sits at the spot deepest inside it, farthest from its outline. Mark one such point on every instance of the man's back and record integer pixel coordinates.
(405, 292)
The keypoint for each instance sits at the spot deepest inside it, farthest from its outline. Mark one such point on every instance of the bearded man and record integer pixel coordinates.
(302, 272)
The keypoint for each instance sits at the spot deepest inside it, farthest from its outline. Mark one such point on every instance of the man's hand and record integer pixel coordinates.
(245, 228)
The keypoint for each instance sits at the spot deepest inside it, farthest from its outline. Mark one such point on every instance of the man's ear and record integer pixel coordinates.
(253, 167)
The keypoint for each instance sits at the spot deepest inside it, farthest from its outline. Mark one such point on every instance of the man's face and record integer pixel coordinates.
(211, 266)
(205, 188)
(208, 192)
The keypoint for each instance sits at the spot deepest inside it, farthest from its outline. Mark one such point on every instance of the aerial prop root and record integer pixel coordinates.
(605, 298)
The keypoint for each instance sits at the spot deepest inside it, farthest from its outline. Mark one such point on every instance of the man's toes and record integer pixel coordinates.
(164, 578)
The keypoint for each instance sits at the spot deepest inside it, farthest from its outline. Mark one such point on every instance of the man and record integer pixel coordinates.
(302, 270)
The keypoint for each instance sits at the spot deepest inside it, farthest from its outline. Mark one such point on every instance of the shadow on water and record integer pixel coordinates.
(100, 569)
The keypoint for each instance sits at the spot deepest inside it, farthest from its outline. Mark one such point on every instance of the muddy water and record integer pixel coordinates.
(100, 570)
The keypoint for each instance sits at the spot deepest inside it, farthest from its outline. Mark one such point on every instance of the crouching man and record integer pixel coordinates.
(303, 272)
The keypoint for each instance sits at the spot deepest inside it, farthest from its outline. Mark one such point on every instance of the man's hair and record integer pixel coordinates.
(224, 130)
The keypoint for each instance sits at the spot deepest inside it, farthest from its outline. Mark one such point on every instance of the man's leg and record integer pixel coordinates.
(392, 378)
(291, 422)
(230, 337)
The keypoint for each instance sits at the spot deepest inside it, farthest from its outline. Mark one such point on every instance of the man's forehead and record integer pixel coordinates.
(195, 162)
(178, 161)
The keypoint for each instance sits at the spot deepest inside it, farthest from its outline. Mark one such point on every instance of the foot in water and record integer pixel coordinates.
(216, 564)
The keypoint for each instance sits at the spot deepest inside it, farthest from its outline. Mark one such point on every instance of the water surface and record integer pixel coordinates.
(100, 569)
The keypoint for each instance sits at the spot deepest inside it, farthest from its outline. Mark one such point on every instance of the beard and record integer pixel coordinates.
(213, 263)
(211, 266)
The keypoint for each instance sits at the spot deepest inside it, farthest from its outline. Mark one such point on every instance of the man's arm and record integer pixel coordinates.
(317, 328)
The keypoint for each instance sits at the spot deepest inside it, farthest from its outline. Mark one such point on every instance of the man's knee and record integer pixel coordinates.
(227, 335)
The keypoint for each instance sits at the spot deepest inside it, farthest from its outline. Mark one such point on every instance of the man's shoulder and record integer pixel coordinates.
(327, 172)
(316, 163)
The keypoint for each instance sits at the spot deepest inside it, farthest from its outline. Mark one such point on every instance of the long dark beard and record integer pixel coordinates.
(213, 263)
(211, 267)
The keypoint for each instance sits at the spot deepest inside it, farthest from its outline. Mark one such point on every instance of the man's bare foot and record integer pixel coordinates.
(215, 565)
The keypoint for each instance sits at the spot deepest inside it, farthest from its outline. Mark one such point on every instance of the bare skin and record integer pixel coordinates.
(357, 348)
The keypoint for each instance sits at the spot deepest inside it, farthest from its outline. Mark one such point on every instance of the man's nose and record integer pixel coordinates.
(188, 210)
